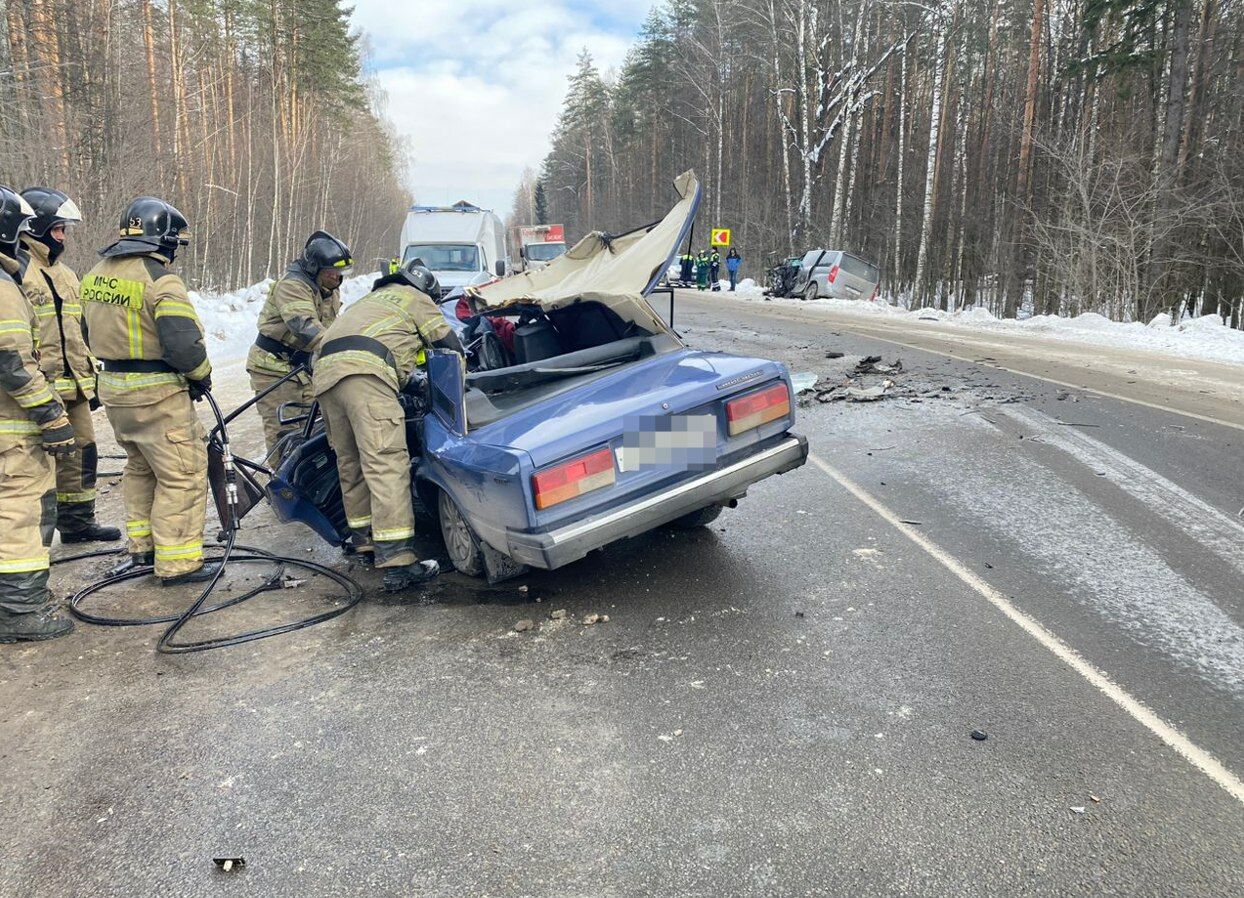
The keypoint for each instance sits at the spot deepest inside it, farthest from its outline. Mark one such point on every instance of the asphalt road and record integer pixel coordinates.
(780, 704)
(1211, 391)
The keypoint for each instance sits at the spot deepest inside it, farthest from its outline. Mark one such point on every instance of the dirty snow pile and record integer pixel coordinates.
(230, 318)
(1205, 338)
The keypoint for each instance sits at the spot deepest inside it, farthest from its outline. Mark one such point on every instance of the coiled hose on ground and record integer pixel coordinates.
(248, 555)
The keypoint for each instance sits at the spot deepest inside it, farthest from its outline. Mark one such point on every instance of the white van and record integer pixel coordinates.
(463, 244)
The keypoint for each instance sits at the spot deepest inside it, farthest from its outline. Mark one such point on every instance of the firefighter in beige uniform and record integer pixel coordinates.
(52, 288)
(33, 426)
(366, 358)
(300, 305)
(141, 326)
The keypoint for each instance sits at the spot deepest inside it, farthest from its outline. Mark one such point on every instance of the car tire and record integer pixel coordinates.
(701, 518)
(461, 543)
(809, 292)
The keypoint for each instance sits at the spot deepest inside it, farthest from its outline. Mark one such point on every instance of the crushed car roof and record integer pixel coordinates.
(618, 270)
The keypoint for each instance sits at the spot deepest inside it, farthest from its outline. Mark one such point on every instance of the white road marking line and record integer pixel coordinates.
(1200, 520)
(1047, 379)
(1198, 757)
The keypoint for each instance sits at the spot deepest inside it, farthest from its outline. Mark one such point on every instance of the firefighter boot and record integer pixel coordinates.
(200, 575)
(26, 610)
(76, 523)
(401, 578)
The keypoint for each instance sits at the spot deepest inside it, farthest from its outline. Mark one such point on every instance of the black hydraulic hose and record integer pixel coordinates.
(166, 645)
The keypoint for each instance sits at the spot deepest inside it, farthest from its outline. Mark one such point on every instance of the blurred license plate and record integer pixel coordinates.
(677, 442)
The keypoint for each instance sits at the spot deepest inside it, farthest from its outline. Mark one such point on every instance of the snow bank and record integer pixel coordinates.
(230, 318)
(745, 289)
(1205, 338)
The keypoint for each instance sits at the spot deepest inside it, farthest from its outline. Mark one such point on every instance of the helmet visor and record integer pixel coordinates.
(68, 213)
(27, 212)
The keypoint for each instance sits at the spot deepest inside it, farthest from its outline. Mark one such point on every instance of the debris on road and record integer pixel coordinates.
(559, 614)
(596, 619)
(869, 394)
(229, 864)
(979, 735)
(523, 626)
(1078, 810)
(292, 582)
(872, 365)
(834, 354)
(803, 381)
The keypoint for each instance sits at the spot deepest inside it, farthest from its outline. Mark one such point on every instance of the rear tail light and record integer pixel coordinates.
(833, 274)
(749, 412)
(573, 478)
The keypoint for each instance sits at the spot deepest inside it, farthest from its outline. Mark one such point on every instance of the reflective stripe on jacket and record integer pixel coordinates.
(135, 308)
(295, 313)
(63, 355)
(27, 401)
(403, 319)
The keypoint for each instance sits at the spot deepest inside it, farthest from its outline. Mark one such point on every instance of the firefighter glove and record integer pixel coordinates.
(58, 437)
(200, 388)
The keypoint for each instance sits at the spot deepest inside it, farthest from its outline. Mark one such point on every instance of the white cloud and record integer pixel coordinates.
(477, 85)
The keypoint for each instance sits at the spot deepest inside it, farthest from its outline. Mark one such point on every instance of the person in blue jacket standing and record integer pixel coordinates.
(733, 263)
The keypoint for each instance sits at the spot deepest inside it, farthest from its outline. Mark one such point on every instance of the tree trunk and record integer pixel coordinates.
(930, 176)
(1023, 175)
(149, 46)
(897, 265)
(46, 44)
(1161, 280)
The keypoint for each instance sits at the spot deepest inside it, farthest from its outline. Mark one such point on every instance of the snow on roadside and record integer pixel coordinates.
(1205, 338)
(230, 318)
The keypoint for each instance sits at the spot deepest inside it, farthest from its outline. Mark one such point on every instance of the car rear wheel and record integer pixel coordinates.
(461, 544)
(701, 518)
(809, 292)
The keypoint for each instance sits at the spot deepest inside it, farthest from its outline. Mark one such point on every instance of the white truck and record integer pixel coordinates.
(462, 244)
(537, 245)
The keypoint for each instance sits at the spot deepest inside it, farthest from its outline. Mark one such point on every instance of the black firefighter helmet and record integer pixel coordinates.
(323, 250)
(419, 276)
(151, 220)
(15, 216)
(52, 207)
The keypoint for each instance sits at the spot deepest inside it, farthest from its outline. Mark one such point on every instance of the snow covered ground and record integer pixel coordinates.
(229, 318)
(1205, 338)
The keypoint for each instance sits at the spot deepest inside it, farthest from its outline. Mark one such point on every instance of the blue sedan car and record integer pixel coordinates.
(594, 423)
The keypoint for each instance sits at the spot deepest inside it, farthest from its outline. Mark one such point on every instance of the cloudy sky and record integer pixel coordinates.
(476, 85)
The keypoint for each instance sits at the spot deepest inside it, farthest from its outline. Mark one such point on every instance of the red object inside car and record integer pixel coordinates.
(503, 327)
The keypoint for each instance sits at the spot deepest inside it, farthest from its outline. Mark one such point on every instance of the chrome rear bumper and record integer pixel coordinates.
(554, 548)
